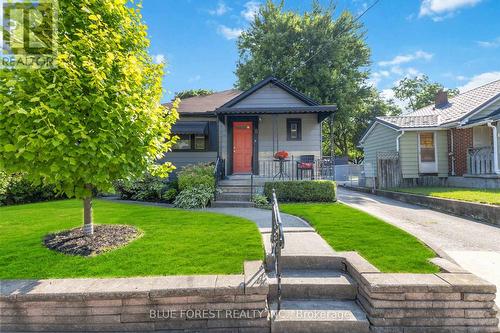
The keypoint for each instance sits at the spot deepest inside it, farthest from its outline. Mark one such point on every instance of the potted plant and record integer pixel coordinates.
(281, 155)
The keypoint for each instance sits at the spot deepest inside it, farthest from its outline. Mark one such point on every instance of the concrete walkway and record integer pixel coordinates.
(474, 246)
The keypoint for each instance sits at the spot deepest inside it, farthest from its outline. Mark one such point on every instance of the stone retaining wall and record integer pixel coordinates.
(478, 211)
(454, 301)
(221, 303)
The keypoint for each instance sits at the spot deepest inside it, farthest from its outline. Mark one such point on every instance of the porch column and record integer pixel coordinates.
(495, 147)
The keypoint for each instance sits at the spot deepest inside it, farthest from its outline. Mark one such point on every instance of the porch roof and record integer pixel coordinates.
(278, 110)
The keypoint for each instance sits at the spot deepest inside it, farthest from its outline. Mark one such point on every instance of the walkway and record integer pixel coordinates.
(474, 246)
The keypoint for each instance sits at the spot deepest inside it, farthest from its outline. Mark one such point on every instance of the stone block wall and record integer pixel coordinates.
(453, 301)
(212, 303)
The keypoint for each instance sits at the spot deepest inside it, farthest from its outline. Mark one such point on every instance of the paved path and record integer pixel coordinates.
(474, 246)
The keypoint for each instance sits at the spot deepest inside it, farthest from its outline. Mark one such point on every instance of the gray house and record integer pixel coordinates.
(245, 129)
(453, 141)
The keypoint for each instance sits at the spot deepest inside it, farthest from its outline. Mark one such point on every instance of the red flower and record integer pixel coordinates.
(281, 155)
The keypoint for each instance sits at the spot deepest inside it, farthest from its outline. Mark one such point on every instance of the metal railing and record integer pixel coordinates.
(480, 161)
(251, 180)
(277, 244)
(293, 169)
(219, 173)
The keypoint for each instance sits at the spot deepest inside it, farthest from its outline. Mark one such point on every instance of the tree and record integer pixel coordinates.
(323, 57)
(419, 91)
(96, 116)
(192, 93)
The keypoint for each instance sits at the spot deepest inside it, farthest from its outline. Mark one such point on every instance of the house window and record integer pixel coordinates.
(294, 129)
(190, 142)
(427, 148)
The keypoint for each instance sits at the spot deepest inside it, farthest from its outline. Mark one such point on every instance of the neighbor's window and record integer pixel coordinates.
(294, 129)
(427, 148)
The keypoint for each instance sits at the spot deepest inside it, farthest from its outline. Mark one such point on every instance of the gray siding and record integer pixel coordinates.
(408, 152)
(181, 159)
(487, 111)
(309, 145)
(381, 139)
(269, 96)
(442, 153)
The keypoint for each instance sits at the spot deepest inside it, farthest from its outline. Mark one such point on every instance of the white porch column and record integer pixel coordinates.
(495, 147)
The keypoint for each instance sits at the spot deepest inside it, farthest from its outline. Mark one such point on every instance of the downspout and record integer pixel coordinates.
(495, 147)
(452, 152)
(397, 140)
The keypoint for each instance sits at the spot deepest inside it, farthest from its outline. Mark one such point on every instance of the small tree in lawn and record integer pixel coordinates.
(96, 116)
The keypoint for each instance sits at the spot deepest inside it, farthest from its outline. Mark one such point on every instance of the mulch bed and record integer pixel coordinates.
(105, 238)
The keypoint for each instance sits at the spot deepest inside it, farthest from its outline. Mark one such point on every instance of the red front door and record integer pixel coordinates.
(242, 146)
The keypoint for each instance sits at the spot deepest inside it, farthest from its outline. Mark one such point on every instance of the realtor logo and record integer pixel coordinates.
(28, 33)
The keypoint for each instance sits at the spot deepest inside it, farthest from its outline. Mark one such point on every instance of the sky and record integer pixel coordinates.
(454, 42)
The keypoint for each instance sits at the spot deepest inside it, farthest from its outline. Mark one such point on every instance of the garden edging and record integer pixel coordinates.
(222, 302)
(466, 209)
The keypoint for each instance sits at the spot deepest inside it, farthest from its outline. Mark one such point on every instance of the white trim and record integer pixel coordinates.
(495, 147)
(493, 101)
(424, 129)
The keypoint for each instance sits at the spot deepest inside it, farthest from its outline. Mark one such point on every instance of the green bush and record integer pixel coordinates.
(195, 175)
(261, 201)
(147, 188)
(302, 190)
(15, 189)
(194, 197)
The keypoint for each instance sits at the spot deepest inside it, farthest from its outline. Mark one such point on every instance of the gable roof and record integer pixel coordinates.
(276, 82)
(458, 108)
(207, 103)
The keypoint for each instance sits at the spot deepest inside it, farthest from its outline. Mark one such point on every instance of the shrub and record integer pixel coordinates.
(147, 188)
(15, 189)
(194, 197)
(169, 195)
(261, 201)
(302, 190)
(195, 175)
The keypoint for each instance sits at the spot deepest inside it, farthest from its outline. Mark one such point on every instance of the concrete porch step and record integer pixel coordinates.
(317, 316)
(313, 284)
(233, 196)
(307, 262)
(225, 204)
(235, 189)
(238, 182)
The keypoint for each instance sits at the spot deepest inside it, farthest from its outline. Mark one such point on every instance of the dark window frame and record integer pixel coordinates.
(192, 139)
(289, 122)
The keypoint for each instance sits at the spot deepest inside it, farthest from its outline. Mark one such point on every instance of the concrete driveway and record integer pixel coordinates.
(474, 246)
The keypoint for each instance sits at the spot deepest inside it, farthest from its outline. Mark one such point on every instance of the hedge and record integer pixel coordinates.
(302, 190)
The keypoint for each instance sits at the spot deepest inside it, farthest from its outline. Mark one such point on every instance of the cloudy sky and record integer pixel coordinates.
(455, 42)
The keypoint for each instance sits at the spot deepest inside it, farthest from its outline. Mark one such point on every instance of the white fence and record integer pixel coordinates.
(350, 174)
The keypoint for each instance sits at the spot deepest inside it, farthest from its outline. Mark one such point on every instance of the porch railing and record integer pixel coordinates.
(219, 173)
(293, 169)
(480, 161)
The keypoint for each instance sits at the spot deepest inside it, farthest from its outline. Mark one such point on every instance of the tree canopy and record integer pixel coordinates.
(321, 53)
(192, 93)
(95, 117)
(419, 91)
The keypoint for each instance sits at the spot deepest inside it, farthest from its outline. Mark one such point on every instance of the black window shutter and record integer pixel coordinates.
(213, 136)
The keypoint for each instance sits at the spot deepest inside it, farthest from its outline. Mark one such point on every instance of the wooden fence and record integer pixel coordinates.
(388, 170)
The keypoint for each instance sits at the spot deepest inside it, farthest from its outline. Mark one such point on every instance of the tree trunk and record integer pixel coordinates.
(88, 226)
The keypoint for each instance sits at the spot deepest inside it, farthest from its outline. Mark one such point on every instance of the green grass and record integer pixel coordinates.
(489, 196)
(347, 229)
(175, 242)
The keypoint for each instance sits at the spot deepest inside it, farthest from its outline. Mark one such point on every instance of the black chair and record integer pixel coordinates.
(305, 163)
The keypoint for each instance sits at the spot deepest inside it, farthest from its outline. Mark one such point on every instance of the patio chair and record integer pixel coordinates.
(305, 163)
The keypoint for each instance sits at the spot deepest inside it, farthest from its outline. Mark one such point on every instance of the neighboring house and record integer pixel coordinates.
(456, 140)
(245, 129)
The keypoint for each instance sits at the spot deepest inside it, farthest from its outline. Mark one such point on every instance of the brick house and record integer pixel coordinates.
(455, 141)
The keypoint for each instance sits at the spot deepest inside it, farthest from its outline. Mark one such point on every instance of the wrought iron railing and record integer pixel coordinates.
(277, 244)
(219, 173)
(294, 169)
(480, 161)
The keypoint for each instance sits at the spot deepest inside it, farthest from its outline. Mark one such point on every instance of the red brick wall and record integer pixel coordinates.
(462, 140)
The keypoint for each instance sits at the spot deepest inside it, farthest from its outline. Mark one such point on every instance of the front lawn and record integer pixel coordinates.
(488, 196)
(347, 229)
(175, 242)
